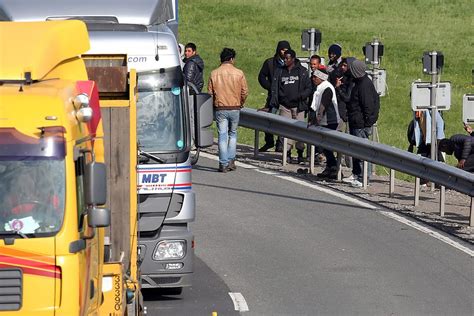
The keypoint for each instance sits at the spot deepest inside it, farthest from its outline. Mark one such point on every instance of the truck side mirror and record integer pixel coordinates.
(98, 217)
(95, 183)
(203, 117)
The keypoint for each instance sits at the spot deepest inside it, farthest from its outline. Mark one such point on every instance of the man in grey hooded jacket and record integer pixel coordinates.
(362, 113)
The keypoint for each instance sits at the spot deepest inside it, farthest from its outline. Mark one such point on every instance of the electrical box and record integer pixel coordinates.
(306, 44)
(468, 108)
(420, 96)
(380, 82)
(369, 50)
(427, 62)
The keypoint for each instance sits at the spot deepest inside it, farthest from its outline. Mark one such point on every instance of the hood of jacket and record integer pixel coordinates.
(280, 46)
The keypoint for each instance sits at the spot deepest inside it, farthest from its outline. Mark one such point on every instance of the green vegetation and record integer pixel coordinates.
(407, 28)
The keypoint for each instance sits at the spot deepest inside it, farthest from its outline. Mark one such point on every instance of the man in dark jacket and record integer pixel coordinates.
(334, 55)
(268, 79)
(294, 89)
(462, 146)
(193, 68)
(362, 113)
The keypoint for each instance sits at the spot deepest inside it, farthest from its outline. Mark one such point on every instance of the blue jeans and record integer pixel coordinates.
(356, 163)
(227, 122)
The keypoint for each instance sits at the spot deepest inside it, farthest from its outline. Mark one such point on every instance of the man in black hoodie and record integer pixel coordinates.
(268, 79)
(294, 89)
(193, 68)
(362, 113)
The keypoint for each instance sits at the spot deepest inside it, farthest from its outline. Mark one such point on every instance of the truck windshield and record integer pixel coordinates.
(32, 184)
(160, 111)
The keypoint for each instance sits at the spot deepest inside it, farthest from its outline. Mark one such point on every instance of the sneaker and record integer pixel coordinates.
(265, 148)
(350, 178)
(232, 165)
(223, 168)
(356, 184)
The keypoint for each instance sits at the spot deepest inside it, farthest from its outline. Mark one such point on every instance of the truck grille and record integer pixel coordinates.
(10, 289)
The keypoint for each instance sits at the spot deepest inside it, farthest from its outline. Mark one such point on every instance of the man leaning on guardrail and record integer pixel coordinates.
(461, 146)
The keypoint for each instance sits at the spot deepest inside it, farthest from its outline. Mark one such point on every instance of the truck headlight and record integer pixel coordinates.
(170, 249)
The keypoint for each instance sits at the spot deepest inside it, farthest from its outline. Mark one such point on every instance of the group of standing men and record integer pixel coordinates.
(329, 96)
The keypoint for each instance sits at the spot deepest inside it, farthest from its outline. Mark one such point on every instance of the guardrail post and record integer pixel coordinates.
(391, 191)
(339, 170)
(365, 173)
(311, 159)
(471, 213)
(374, 137)
(442, 200)
(256, 145)
(417, 191)
(285, 151)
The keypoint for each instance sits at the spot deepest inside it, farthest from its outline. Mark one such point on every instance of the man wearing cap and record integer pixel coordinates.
(229, 90)
(362, 113)
(268, 79)
(334, 55)
(293, 92)
(324, 112)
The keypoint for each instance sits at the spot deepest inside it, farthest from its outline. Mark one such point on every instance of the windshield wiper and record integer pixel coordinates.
(150, 156)
(13, 232)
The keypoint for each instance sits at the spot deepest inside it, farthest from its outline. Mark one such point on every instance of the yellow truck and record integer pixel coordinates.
(57, 170)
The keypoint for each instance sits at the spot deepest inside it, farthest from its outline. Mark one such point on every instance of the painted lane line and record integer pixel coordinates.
(428, 231)
(239, 302)
(238, 163)
(289, 178)
(328, 191)
(391, 215)
(269, 172)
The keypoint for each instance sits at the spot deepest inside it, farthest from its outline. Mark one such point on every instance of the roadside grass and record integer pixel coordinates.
(407, 28)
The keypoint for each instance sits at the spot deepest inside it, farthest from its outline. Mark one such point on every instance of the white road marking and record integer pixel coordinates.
(238, 163)
(328, 191)
(391, 215)
(428, 231)
(239, 302)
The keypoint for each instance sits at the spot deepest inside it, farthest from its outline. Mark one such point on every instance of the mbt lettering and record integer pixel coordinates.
(154, 178)
(136, 59)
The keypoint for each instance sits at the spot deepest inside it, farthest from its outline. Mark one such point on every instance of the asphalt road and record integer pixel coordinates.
(289, 249)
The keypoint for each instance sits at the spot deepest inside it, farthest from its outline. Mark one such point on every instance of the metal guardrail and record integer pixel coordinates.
(364, 149)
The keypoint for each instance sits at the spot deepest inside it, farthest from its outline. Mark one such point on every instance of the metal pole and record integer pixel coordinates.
(471, 213)
(375, 73)
(311, 159)
(392, 183)
(256, 145)
(442, 200)
(365, 181)
(312, 31)
(375, 63)
(433, 109)
(417, 191)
